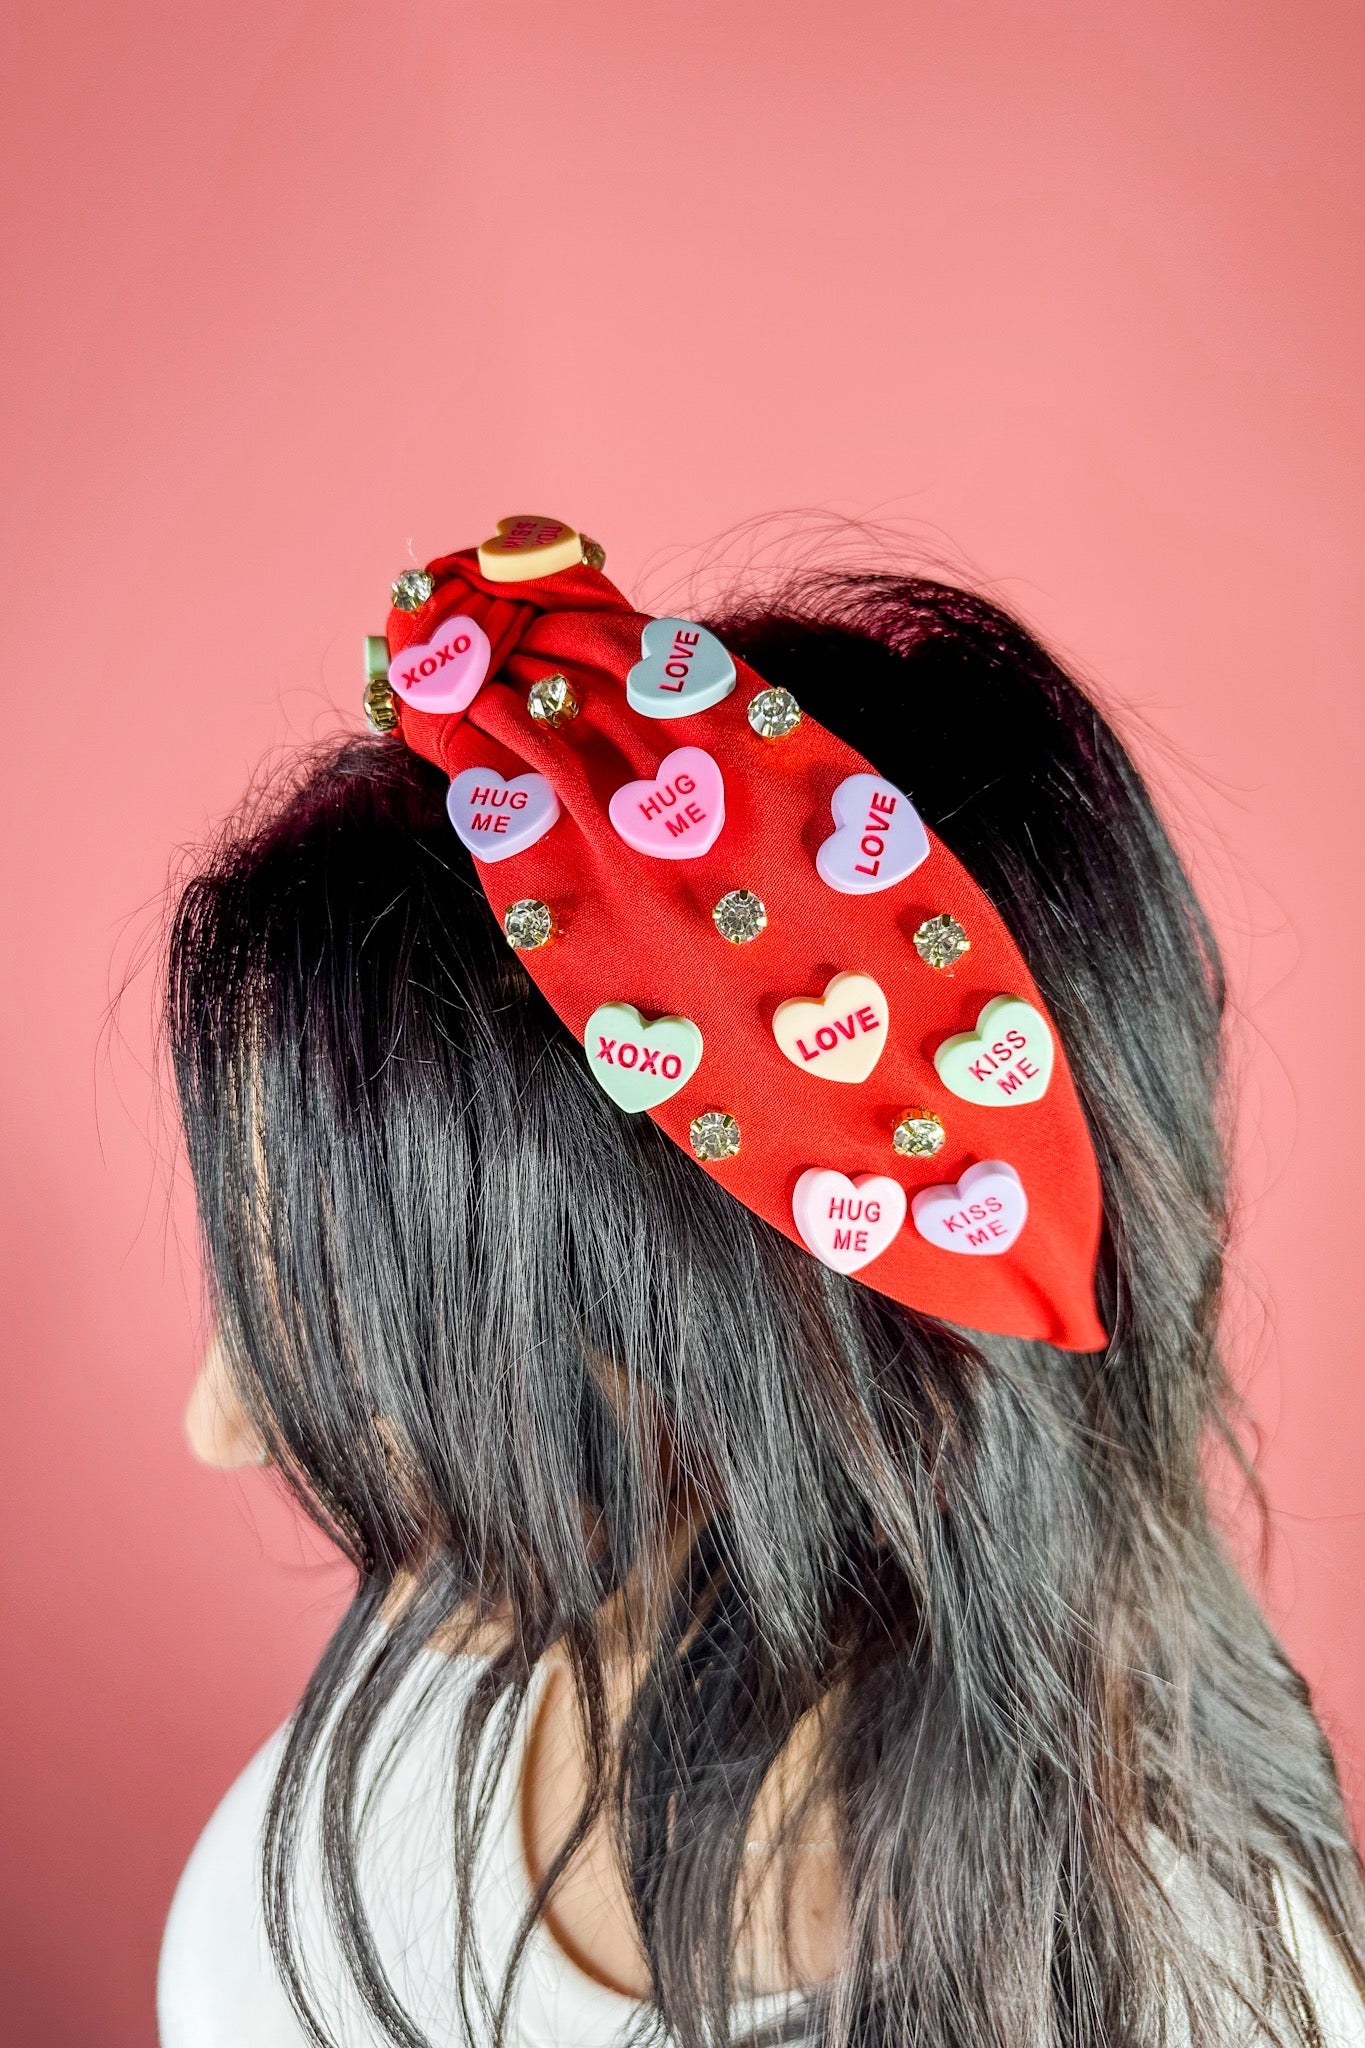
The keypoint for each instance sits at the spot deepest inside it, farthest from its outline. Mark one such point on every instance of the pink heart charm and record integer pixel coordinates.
(982, 1215)
(847, 1223)
(496, 819)
(679, 813)
(880, 838)
(445, 672)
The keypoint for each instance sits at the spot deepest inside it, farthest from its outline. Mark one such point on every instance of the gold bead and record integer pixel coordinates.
(739, 916)
(919, 1134)
(594, 554)
(940, 941)
(552, 702)
(381, 713)
(773, 713)
(412, 589)
(528, 924)
(714, 1135)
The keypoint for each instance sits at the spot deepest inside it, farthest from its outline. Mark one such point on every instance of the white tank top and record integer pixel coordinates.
(218, 1987)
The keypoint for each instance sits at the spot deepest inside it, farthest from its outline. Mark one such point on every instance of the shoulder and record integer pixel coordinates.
(1337, 2005)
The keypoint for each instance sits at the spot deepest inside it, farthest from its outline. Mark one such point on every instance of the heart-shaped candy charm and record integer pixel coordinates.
(841, 1037)
(496, 819)
(640, 1065)
(445, 672)
(682, 668)
(847, 1223)
(983, 1214)
(879, 841)
(679, 813)
(1007, 1059)
(527, 546)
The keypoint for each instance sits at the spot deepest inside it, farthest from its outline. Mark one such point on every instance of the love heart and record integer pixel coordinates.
(527, 546)
(445, 672)
(879, 841)
(639, 1064)
(682, 668)
(496, 819)
(982, 1215)
(1007, 1059)
(676, 815)
(842, 1036)
(847, 1223)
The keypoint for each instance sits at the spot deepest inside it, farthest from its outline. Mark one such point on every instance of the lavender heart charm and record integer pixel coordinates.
(879, 841)
(496, 819)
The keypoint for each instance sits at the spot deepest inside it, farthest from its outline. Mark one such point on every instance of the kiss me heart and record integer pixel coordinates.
(847, 1223)
(640, 1065)
(982, 1215)
(443, 673)
(679, 813)
(527, 546)
(841, 1037)
(880, 838)
(682, 668)
(1007, 1059)
(495, 818)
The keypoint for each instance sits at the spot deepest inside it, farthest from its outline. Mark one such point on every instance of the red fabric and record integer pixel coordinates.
(638, 930)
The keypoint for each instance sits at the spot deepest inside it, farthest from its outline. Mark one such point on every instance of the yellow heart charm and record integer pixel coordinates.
(526, 546)
(839, 1038)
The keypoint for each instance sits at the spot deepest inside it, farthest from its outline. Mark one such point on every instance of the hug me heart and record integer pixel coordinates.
(445, 672)
(847, 1223)
(841, 1037)
(640, 1065)
(676, 815)
(1007, 1059)
(983, 1214)
(496, 819)
(879, 841)
(682, 668)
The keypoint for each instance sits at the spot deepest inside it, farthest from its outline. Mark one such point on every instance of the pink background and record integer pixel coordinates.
(1066, 295)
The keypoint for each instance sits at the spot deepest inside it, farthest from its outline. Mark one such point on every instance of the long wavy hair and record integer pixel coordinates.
(503, 1342)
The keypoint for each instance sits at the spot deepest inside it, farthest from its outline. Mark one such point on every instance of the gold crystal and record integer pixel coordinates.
(739, 916)
(552, 702)
(381, 713)
(412, 589)
(773, 713)
(919, 1134)
(940, 941)
(714, 1134)
(528, 924)
(594, 554)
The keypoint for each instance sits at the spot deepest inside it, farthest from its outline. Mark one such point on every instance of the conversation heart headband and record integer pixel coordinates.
(751, 933)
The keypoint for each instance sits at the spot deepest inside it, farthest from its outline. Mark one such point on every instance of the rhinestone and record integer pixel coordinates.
(714, 1134)
(552, 702)
(594, 554)
(412, 589)
(774, 713)
(739, 916)
(941, 940)
(528, 924)
(918, 1135)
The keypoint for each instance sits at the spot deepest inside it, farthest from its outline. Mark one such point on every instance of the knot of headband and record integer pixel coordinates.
(752, 934)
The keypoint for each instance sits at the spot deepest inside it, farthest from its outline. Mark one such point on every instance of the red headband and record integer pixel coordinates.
(706, 862)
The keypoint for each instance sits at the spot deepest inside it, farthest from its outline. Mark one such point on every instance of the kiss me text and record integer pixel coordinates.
(979, 1221)
(1006, 1061)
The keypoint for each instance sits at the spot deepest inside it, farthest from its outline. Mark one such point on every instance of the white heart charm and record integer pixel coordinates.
(981, 1216)
(446, 672)
(839, 1038)
(682, 668)
(847, 1223)
(1007, 1059)
(879, 841)
(640, 1065)
(496, 819)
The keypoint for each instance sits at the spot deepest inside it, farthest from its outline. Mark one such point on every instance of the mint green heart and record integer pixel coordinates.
(639, 1064)
(1006, 1061)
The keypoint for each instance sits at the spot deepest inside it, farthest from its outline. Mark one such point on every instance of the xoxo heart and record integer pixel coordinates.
(879, 841)
(639, 1064)
(1007, 1059)
(682, 668)
(495, 819)
(982, 1215)
(841, 1037)
(527, 545)
(847, 1223)
(443, 673)
(676, 815)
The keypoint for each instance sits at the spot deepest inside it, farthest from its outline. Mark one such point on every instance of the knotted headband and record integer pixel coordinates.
(752, 934)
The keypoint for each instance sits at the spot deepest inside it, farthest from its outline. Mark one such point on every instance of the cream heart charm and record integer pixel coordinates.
(640, 1065)
(527, 546)
(982, 1215)
(841, 1037)
(682, 668)
(1007, 1059)
(676, 815)
(879, 841)
(847, 1223)
(445, 672)
(496, 819)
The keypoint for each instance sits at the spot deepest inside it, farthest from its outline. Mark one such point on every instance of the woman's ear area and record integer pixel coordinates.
(217, 1427)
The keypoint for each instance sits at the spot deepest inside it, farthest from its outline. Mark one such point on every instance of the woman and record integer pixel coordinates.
(754, 1633)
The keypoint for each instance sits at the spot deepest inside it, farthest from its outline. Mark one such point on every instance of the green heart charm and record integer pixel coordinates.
(639, 1064)
(1006, 1061)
